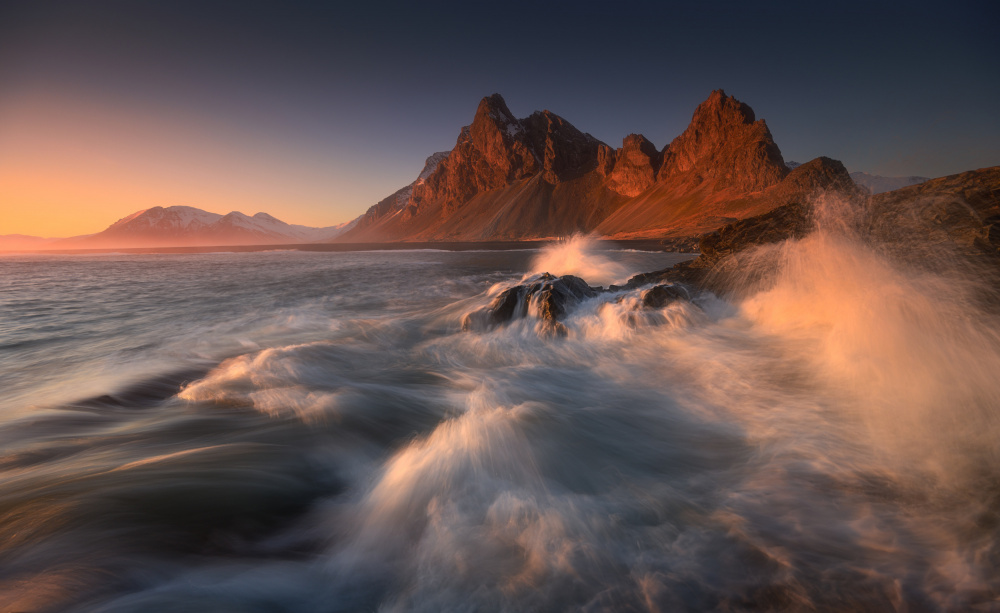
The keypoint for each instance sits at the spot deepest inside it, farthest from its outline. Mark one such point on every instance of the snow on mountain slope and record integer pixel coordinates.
(172, 218)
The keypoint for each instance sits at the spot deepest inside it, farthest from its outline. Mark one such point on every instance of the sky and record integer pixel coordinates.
(313, 112)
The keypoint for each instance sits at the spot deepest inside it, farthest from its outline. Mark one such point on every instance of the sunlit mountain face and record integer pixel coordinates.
(499, 307)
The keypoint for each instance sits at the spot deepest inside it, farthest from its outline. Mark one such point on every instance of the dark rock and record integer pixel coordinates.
(681, 244)
(658, 296)
(785, 222)
(684, 272)
(551, 296)
(661, 295)
(963, 209)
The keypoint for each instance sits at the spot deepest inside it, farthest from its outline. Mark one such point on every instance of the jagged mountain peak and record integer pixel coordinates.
(640, 143)
(493, 113)
(720, 108)
(726, 146)
(541, 176)
(495, 106)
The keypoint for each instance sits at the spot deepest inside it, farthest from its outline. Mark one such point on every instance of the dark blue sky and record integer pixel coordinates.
(327, 109)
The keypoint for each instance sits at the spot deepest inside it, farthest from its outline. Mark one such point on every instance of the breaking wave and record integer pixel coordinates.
(581, 255)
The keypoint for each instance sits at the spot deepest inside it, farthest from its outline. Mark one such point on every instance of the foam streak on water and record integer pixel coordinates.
(334, 442)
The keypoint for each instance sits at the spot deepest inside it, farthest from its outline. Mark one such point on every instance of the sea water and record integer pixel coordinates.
(314, 432)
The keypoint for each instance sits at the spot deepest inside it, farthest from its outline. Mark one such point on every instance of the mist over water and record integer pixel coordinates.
(322, 436)
(580, 255)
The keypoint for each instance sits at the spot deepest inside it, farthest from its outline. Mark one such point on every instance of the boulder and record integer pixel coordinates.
(545, 296)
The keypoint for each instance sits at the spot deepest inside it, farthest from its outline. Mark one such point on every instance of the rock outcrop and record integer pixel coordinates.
(635, 166)
(959, 213)
(961, 209)
(546, 297)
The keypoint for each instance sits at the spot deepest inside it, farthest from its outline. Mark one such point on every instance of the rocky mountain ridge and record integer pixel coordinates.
(539, 177)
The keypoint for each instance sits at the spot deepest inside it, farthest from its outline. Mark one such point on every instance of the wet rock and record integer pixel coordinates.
(661, 295)
(546, 296)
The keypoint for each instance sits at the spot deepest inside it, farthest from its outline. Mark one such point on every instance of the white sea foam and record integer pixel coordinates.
(580, 255)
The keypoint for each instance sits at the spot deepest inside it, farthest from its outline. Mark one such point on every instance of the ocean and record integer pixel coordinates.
(314, 432)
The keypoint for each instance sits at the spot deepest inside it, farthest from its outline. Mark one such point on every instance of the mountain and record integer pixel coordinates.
(875, 184)
(537, 177)
(188, 226)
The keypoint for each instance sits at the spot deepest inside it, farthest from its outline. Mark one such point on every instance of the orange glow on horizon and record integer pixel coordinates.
(67, 170)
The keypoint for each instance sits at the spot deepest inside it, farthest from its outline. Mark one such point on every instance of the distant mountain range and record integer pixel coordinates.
(538, 177)
(183, 226)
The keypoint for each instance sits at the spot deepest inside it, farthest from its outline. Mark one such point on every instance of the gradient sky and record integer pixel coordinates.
(314, 111)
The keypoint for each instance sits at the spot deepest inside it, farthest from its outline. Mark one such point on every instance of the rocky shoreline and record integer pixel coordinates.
(958, 215)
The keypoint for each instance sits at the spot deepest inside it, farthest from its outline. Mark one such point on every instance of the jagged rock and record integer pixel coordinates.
(727, 145)
(681, 244)
(546, 296)
(398, 200)
(566, 152)
(789, 221)
(720, 169)
(659, 296)
(961, 210)
(635, 166)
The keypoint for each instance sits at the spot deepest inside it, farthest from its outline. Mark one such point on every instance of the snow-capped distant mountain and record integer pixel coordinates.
(877, 185)
(792, 165)
(188, 226)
